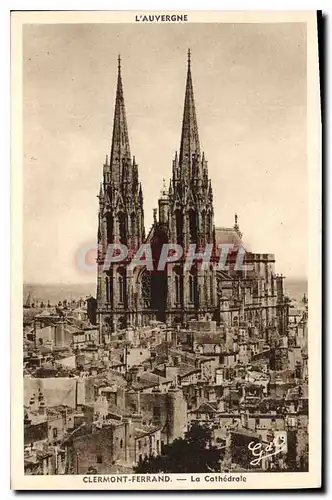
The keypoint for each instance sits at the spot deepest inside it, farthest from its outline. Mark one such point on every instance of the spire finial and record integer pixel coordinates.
(163, 192)
(120, 140)
(236, 225)
(189, 137)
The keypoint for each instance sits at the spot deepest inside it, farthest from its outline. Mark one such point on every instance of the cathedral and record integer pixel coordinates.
(185, 216)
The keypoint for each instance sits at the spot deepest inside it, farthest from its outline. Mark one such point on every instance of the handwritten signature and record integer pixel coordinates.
(262, 450)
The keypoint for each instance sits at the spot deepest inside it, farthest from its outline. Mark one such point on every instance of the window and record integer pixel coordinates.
(211, 284)
(191, 288)
(179, 227)
(133, 223)
(122, 228)
(156, 412)
(177, 288)
(178, 284)
(108, 295)
(55, 433)
(139, 444)
(192, 226)
(99, 459)
(109, 224)
(121, 443)
(121, 284)
(120, 280)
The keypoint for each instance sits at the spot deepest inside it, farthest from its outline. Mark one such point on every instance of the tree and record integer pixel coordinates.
(193, 454)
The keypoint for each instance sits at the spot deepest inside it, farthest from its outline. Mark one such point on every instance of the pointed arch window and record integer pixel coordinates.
(121, 285)
(203, 222)
(108, 291)
(109, 227)
(192, 226)
(192, 286)
(177, 288)
(178, 284)
(146, 288)
(209, 226)
(212, 284)
(121, 295)
(179, 227)
(133, 224)
(122, 228)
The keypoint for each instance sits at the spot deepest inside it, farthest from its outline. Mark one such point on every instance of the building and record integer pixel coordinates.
(185, 217)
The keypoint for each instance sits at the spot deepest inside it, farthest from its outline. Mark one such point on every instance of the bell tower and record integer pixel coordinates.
(191, 217)
(120, 220)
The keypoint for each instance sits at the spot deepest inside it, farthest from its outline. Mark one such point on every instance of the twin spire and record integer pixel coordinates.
(120, 141)
(189, 146)
(189, 137)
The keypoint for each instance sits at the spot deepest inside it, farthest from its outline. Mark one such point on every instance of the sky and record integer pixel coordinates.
(250, 93)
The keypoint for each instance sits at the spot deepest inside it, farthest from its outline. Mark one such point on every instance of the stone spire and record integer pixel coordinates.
(120, 149)
(189, 137)
(236, 225)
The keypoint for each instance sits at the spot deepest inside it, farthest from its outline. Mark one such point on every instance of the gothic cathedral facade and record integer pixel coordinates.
(185, 216)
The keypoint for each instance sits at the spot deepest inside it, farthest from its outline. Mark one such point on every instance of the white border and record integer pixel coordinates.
(258, 480)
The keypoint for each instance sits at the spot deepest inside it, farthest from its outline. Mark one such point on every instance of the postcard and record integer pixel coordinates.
(166, 251)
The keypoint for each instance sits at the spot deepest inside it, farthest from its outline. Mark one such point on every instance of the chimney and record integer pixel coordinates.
(135, 372)
(171, 372)
(211, 394)
(244, 419)
(177, 360)
(221, 406)
(219, 376)
(42, 408)
(138, 402)
(33, 403)
(168, 335)
(41, 403)
(60, 334)
(174, 338)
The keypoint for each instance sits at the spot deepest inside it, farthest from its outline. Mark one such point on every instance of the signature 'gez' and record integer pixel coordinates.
(261, 451)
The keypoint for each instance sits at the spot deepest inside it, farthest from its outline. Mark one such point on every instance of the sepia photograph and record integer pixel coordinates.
(169, 320)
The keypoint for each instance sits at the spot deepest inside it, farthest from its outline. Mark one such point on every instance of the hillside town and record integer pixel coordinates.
(105, 407)
(113, 381)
